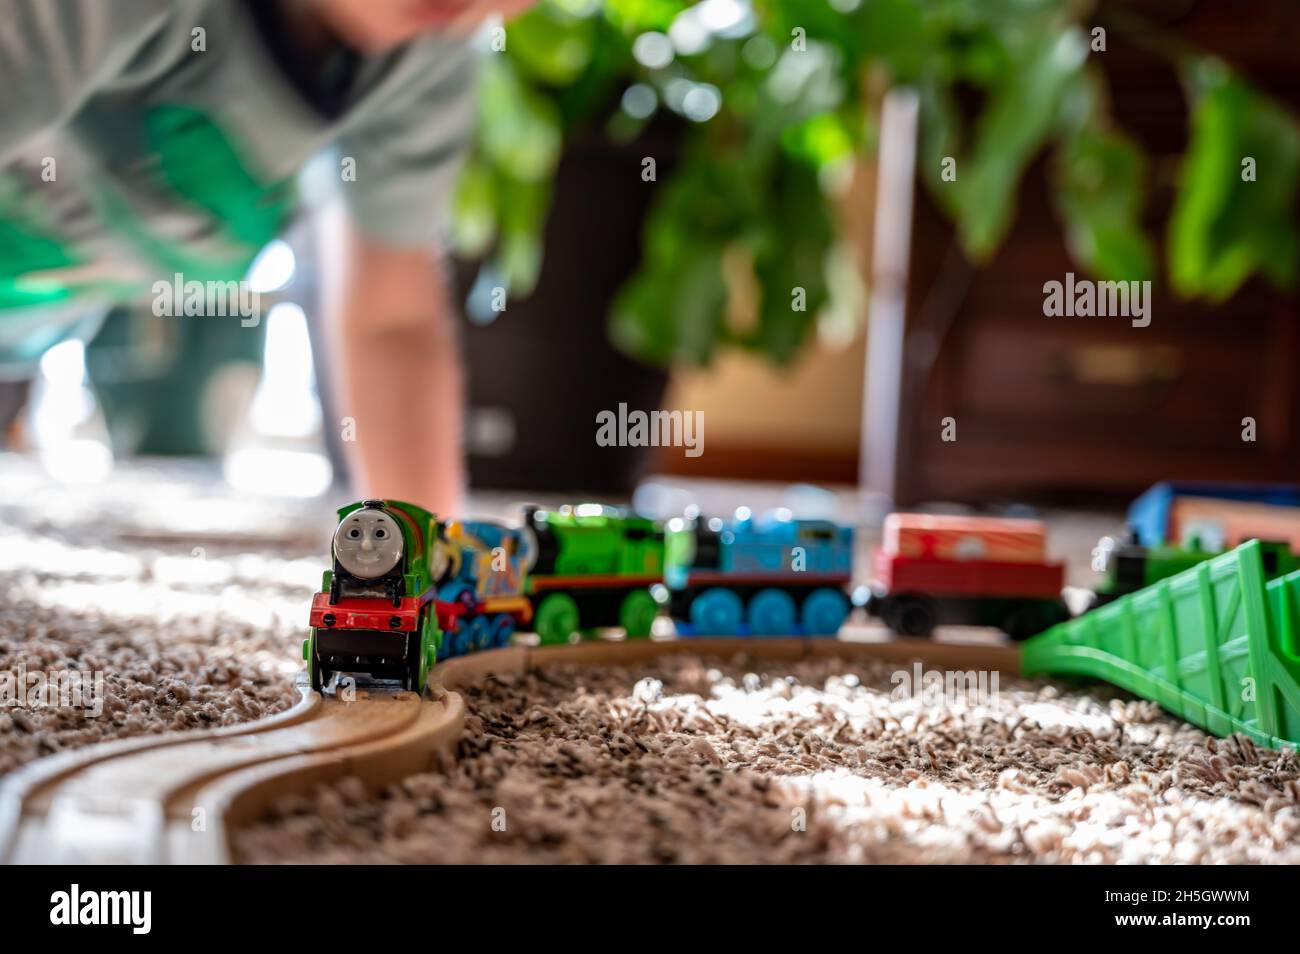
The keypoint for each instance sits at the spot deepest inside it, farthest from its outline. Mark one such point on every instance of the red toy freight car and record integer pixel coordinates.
(974, 571)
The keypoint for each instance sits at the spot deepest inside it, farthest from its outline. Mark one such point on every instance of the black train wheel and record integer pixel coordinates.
(1023, 622)
(913, 616)
(411, 664)
(320, 677)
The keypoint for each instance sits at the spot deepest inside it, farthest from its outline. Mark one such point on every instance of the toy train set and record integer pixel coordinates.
(406, 590)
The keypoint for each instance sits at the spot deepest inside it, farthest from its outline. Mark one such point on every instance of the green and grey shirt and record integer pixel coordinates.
(142, 138)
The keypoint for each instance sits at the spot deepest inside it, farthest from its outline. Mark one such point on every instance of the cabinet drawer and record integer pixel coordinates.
(1161, 387)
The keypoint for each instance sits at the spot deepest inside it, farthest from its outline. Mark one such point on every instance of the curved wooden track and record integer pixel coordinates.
(174, 799)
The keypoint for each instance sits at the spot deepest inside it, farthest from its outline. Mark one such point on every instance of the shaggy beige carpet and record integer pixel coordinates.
(191, 603)
(692, 760)
(185, 600)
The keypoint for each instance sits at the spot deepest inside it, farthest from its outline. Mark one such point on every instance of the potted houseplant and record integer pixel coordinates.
(642, 165)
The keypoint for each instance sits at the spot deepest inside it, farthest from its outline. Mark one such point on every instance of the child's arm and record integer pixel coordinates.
(394, 350)
(396, 366)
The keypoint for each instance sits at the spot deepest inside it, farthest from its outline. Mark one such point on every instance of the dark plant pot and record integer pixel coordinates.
(540, 371)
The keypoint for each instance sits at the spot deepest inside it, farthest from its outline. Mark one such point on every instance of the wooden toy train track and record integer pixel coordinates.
(175, 799)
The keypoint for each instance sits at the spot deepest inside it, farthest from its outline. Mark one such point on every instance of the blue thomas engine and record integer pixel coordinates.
(767, 576)
(481, 599)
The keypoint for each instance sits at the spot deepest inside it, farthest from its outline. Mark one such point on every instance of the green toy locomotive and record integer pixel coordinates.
(1127, 566)
(595, 567)
(376, 612)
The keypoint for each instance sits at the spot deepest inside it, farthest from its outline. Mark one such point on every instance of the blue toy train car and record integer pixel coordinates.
(1149, 515)
(481, 597)
(767, 576)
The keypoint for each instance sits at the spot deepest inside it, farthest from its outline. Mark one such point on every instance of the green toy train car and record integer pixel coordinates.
(595, 567)
(1128, 566)
(377, 612)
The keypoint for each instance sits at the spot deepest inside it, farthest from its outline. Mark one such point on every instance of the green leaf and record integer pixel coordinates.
(1015, 124)
(523, 209)
(1225, 228)
(1100, 182)
(792, 254)
(673, 308)
(519, 261)
(520, 128)
(638, 16)
(940, 136)
(474, 211)
(551, 46)
(895, 32)
(823, 139)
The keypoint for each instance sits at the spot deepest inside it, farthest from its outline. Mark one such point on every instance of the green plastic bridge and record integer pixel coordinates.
(1216, 644)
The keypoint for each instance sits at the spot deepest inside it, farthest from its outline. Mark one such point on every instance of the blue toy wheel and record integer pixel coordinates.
(458, 641)
(480, 633)
(772, 613)
(824, 612)
(503, 627)
(716, 612)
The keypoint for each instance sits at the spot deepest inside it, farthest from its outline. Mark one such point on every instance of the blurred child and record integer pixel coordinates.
(146, 140)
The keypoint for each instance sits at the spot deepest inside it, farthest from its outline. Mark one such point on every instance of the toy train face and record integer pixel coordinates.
(370, 552)
(368, 543)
